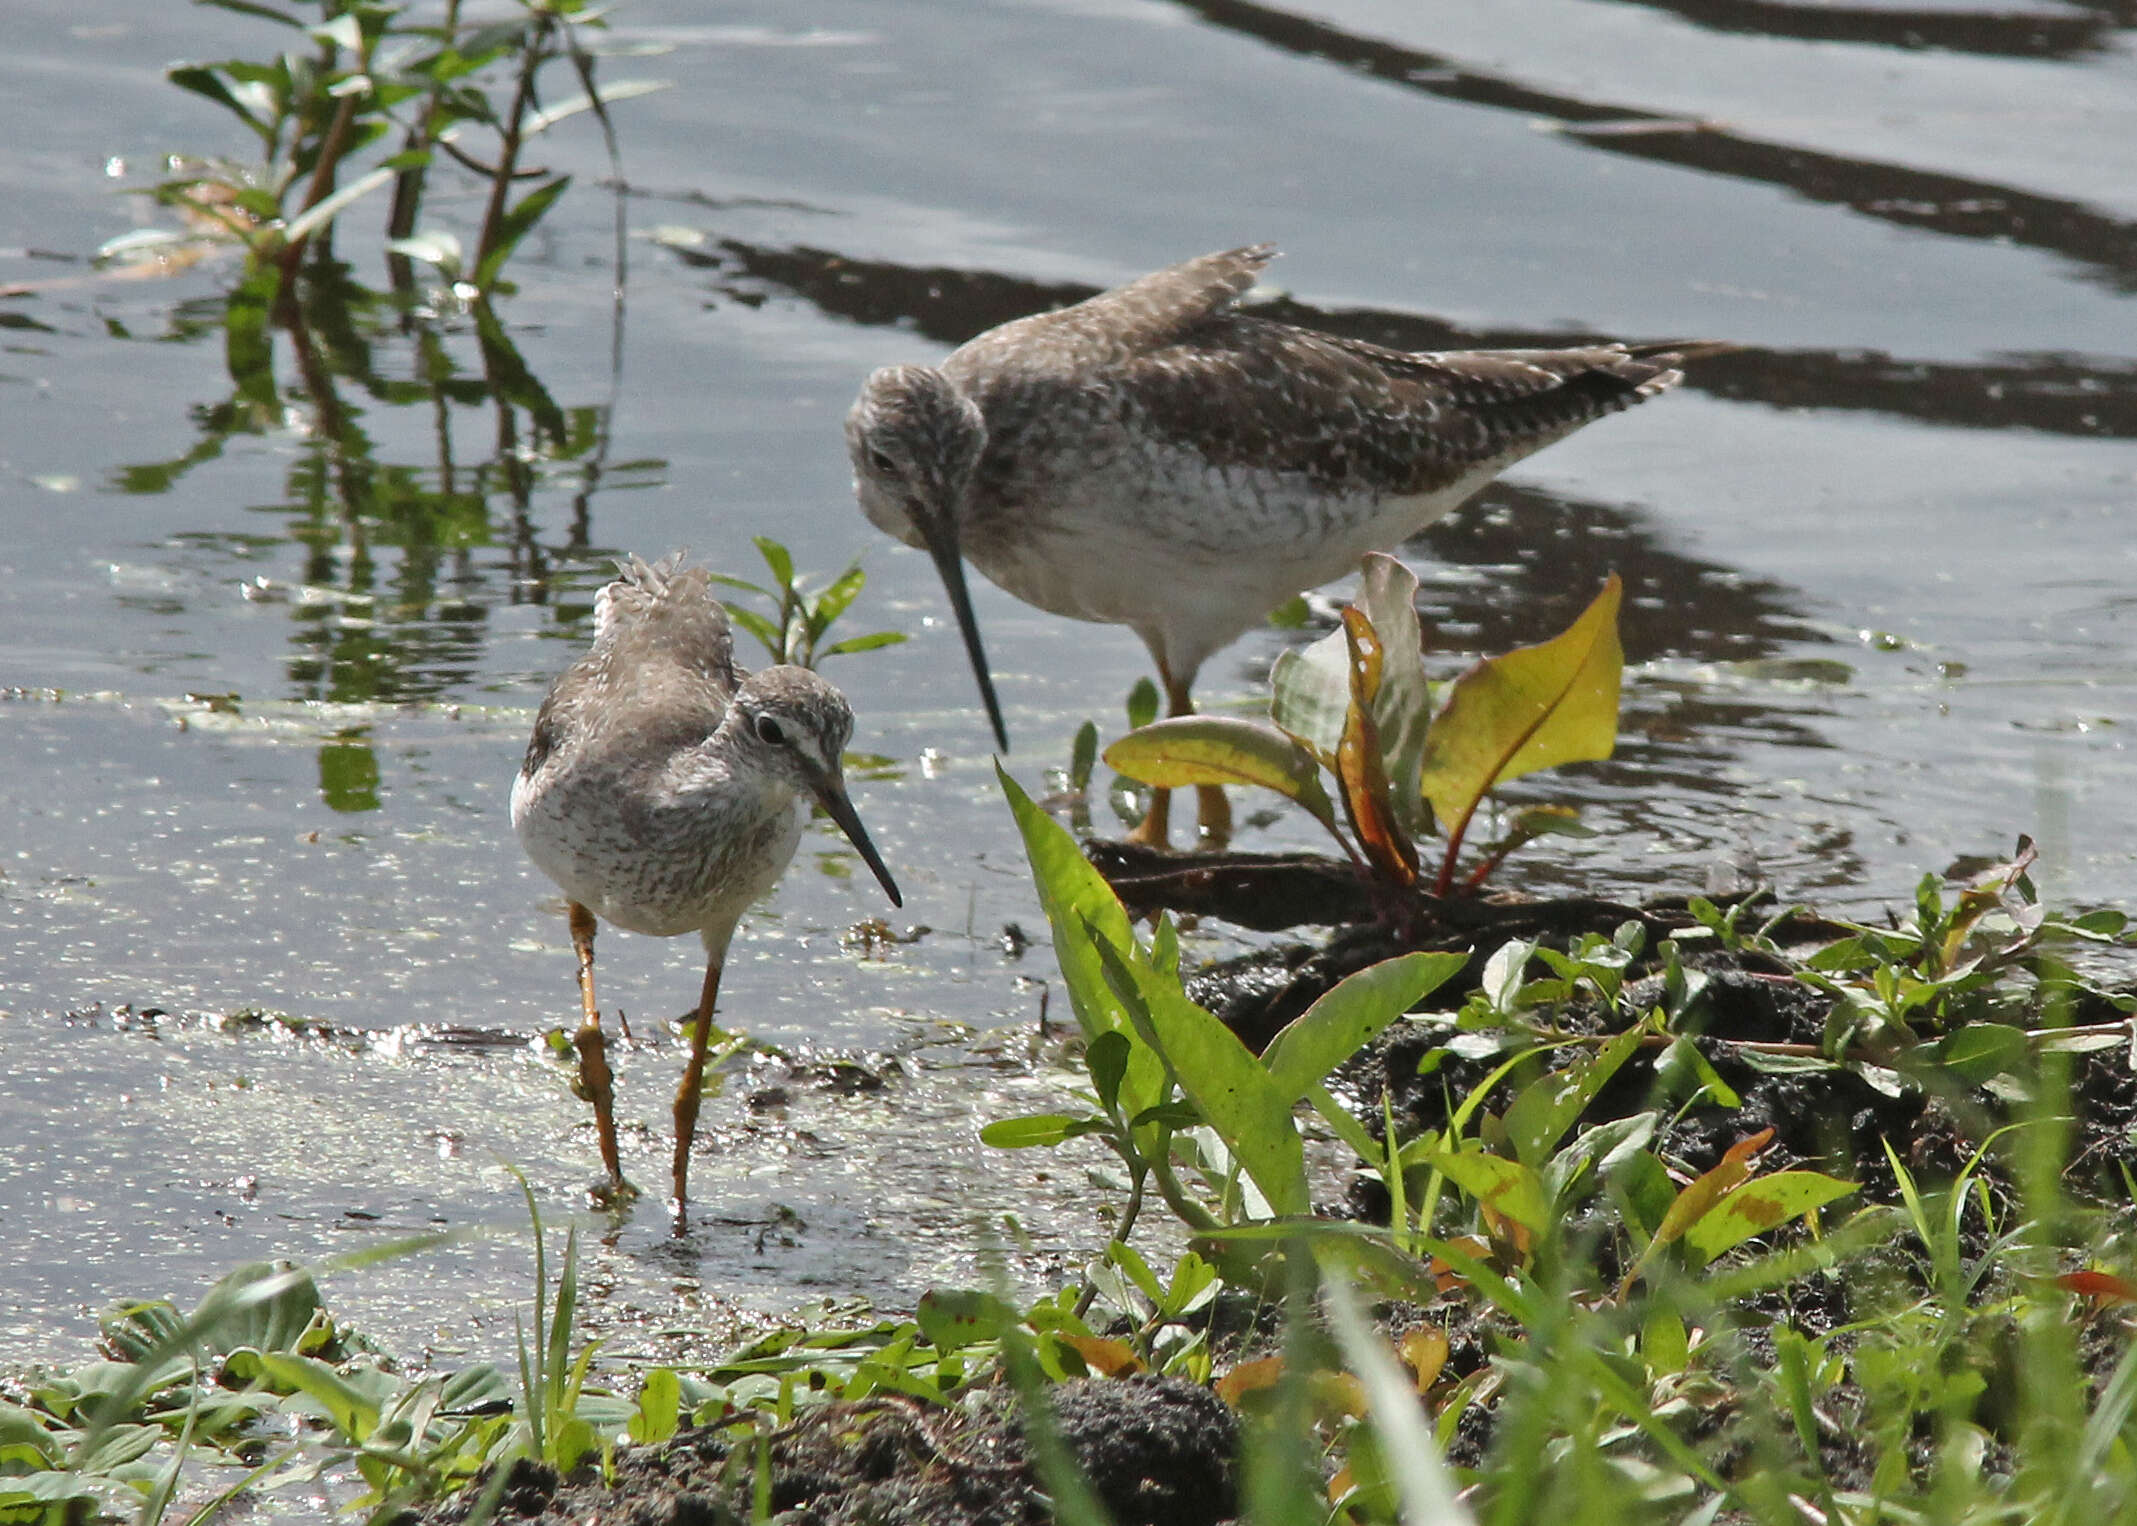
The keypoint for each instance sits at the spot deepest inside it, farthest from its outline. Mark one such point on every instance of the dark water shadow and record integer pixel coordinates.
(2103, 248)
(2016, 31)
(2087, 396)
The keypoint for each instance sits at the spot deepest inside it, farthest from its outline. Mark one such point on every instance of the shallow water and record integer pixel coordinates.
(256, 756)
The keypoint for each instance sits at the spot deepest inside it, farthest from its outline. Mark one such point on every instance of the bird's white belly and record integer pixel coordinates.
(656, 871)
(1189, 556)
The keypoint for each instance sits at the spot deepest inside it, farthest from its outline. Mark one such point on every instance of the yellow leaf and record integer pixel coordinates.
(1222, 749)
(1535, 707)
(1249, 1377)
(1424, 1352)
(1106, 1357)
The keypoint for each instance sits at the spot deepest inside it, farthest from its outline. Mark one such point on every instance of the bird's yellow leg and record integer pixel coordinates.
(1213, 811)
(596, 1080)
(688, 1094)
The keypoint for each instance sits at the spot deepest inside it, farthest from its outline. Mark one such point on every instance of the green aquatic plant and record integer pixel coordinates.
(371, 95)
(1355, 711)
(801, 617)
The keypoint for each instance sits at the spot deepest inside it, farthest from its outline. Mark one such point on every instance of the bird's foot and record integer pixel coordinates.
(611, 1193)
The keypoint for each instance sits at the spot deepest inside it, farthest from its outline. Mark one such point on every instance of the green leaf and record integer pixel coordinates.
(868, 643)
(1106, 1058)
(209, 83)
(1309, 695)
(757, 626)
(352, 1411)
(1979, 1051)
(1539, 1117)
(514, 226)
(660, 1404)
(254, 8)
(614, 91)
(954, 1318)
(1083, 756)
(1234, 1094)
(1223, 749)
(837, 596)
(1505, 1186)
(1351, 1015)
(1076, 896)
(1291, 615)
(778, 558)
(1032, 1131)
(1142, 704)
(330, 207)
(1758, 1206)
(1535, 707)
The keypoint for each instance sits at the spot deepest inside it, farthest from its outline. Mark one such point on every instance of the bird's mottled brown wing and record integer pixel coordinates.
(662, 661)
(1350, 416)
(1144, 315)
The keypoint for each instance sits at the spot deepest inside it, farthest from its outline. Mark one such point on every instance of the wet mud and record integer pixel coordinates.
(1157, 1452)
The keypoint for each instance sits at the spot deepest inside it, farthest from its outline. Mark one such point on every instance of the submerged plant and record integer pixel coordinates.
(1355, 709)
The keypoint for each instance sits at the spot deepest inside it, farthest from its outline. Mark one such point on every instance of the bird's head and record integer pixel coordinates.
(790, 726)
(916, 443)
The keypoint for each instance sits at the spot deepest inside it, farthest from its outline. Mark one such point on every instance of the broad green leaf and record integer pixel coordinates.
(1979, 1051)
(1309, 695)
(1548, 1106)
(778, 558)
(1535, 707)
(1234, 1094)
(1759, 1205)
(352, 1411)
(1402, 710)
(1505, 1186)
(1350, 1016)
(1075, 896)
(660, 1403)
(1223, 749)
(836, 598)
(954, 1318)
(1106, 1058)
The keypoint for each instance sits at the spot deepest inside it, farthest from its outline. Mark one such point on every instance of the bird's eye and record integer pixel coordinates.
(769, 731)
(879, 461)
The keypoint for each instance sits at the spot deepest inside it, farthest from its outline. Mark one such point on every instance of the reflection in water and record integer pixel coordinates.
(2104, 247)
(415, 625)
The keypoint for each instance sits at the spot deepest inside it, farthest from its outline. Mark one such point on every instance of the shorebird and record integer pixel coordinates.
(664, 791)
(1155, 458)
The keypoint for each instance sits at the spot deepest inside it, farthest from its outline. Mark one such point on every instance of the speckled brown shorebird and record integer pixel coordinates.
(665, 790)
(1155, 458)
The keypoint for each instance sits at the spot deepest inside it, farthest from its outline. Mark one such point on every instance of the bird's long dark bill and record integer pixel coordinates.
(831, 795)
(941, 538)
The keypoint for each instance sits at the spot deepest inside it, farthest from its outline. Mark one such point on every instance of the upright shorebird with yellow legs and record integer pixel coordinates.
(1158, 459)
(665, 791)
